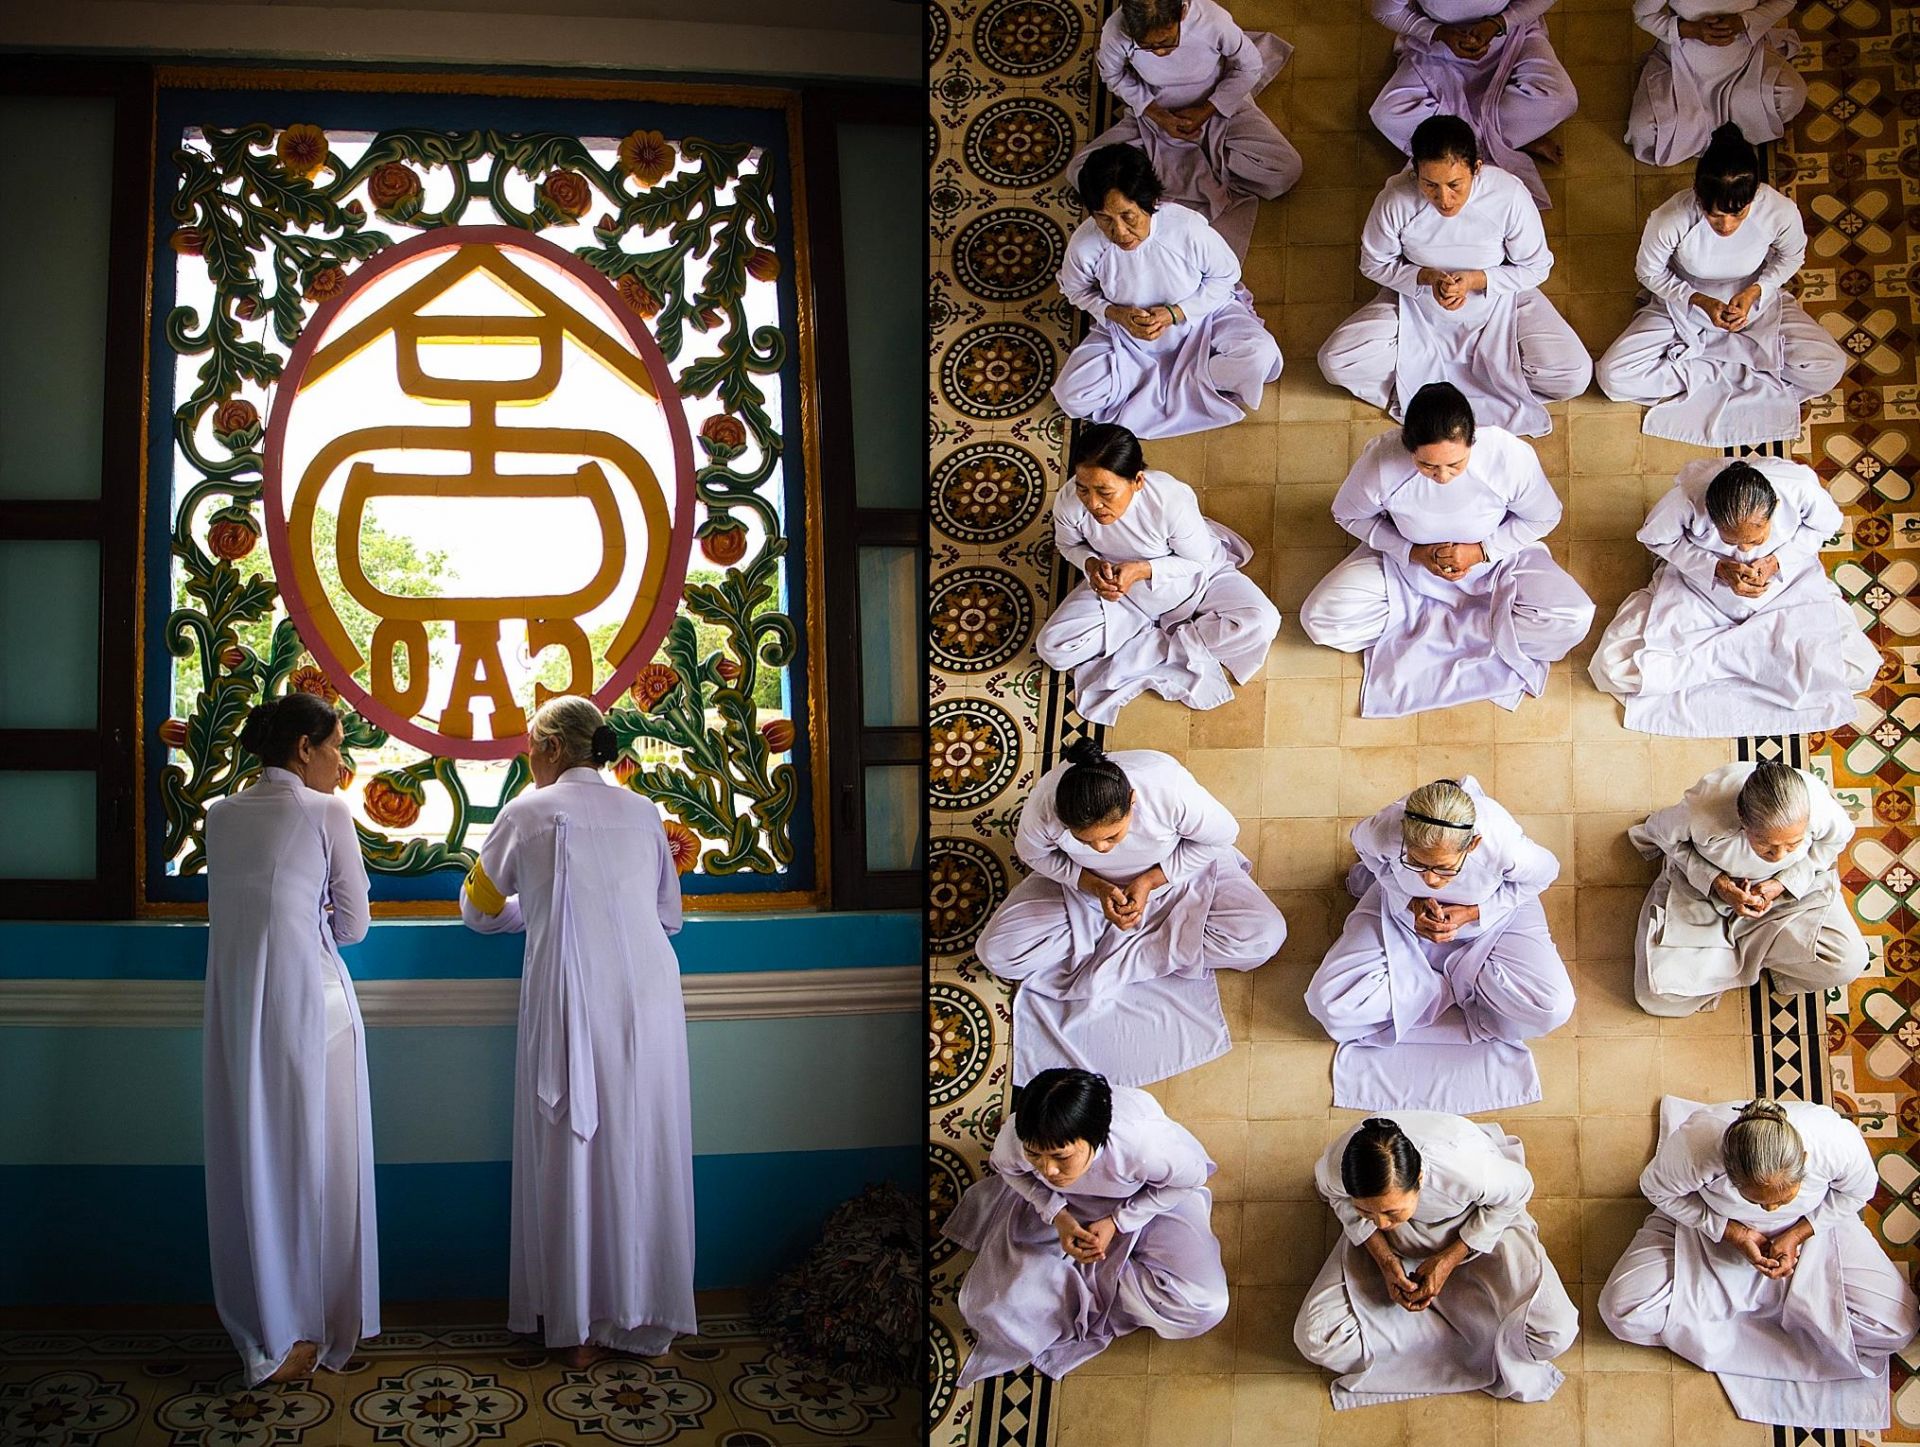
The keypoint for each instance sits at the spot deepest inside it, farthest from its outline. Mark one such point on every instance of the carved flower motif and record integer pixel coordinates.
(237, 423)
(625, 766)
(636, 294)
(396, 191)
(723, 437)
(394, 800)
(173, 733)
(778, 732)
(302, 150)
(683, 844)
(326, 284)
(188, 241)
(567, 192)
(763, 266)
(647, 156)
(654, 683)
(724, 545)
(308, 679)
(232, 534)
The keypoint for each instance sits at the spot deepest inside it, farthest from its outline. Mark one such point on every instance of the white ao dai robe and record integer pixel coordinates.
(1690, 946)
(1512, 95)
(1503, 1315)
(1810, 1350)
(1691, 658)
(1028, 1301)
(1701, 383)
(289, 1133)
(1506, 347)
(1204, 372)
(1240, 157)
(1178, 634)
(603, 1213)
(1435, 642)
(1439, 1026)
(1133, 1005)
(1688, 89)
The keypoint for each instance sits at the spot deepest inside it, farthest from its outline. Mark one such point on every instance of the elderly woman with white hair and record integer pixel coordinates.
(602, 1235)
(1446, 966)
(1755, 1263)
(1750, 882)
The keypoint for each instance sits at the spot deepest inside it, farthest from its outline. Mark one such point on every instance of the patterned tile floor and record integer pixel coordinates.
(1010, 101)
(432, 1386)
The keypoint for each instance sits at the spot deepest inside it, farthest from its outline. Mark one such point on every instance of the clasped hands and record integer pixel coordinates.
(1749, 580)
(1452, 561)
(1471, 42)
(1452, 288)
(1123, 904)
(1732, 314)
(1715, 29)
(1420, 1290)
(1749, 899)
(1439, 922)
(1084, 1243)
(1772, 1256)
(1183, 123)
(1145, 322)
(1110, 581)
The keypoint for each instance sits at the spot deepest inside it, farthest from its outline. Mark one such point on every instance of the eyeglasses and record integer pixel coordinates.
(1165, 47)
(1428, 869)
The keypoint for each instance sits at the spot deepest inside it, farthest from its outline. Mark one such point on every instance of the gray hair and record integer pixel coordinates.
(1774, 797)
(1739, 491)
(576, 723)
(1137, 17)
(1762, 1148)
(1447, 803)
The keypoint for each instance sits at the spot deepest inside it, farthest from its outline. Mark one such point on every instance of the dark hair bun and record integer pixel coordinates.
(1084, 752)
(606, 745)
(253, 733)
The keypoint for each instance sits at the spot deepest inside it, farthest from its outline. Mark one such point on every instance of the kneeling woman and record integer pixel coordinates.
(1095, 1222)
(1755, 1263)
(1750, 883)
(289, 1135)
(1164, 608)
(1137, 896)
(1446, 964)
(1721, 354)
(1741, 631)
(1450, 590)
(1175, 345)
(1456, 1293)
(602, 1129)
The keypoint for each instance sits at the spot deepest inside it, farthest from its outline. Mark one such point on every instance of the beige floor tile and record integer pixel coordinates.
(1276, 1410)
(1153, 723)
(1709, 1068)
(1240, 723)
(1558, 1218)
(1372, 778)
(1303, 515)
(1607, 1006)
(1281, 1155)
(1596, 715)
(1614, 1150)
(1299, 782)
(1610, 507)
(1102, 1410)
(1228, 1143)
(1609, 570)
(1609, 917)
(1607, 1225)
(1553, 1153)
(1534, 778)
(1303, 712)
(1469, 723)
(1630, 1407)
(1557, 1058)
(1557, 1422)
(1293, 657)
(1613, 777)
(1372, 733)
(1245, 454)
(1236, 1003)
(1279, 1005)
(1546, 719)
(1231, 775)
(1289, 1079)
(1282, 1243)
(1209, 1354)
(1702, 1416)
(1453, 761)
(1677, 764)
(1601, 853)
(1386, 1425)
(1214, 1091)
(1618, 1076)
(1295, 571)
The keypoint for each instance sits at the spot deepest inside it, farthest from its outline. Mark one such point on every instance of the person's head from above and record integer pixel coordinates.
(1062, 1117)
(1153, 24)
(1120, 190)
(1446, 162)
(1438, 831)
(1380, 1172)
(298, 732)
(1765, 1157)
(1740, 504)
(1774, 811)
(1094, 798)
(568, 732)
(1726, 178)
(1108, 470)
(1437, 431)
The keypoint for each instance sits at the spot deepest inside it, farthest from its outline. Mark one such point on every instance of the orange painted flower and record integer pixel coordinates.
(237, 421)
(654, 683)
(308, 679)
(326, 284)
(724, 545)
(567, 192)
(396, 191)
(393, 800)
(624, 768)
(683, 844)
(722, 437)
(302, 150)
(635, 293)
(232, 534)
(763, 266)
(778, 732)
(647, 156)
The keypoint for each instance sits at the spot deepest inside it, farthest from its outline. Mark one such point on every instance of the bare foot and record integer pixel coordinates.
(577, 1359)
(298, 1363)
(1546, 149)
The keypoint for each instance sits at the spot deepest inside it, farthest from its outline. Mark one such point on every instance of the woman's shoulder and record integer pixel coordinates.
(1165, 489)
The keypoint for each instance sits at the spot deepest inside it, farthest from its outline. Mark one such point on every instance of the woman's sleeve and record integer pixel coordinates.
(1532, 512)
(1219, 272)
(1205, 829)
(487, 901)
(1069, 537)
(1191, 545)
(1653, 262)
(346, 875)
(1851, 1178)
(1239, 63)
(1505, 1188)
(1669, 833)
(1079, 285)
(1403, 17)
(1656, 17)
(1819, 519)
(1360, 511)
(1665, 535)
(1383, 259)
(1121, 78)
(1786, 251)
(668, 902)
(1037, 841)
(1528, 260)
(1170, 1179)
(1687, 1160)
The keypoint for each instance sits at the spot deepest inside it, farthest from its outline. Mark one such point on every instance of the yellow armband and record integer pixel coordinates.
(486, 898)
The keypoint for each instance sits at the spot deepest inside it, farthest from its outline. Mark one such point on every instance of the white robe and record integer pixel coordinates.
(1203, 372)
(1434, 642)
(1688, 88)
(1178, 634)
(1506, 348)
(1502, 1316)
(289, 1135)
(1690, 947)
(1701, 383)
(603, 1210)
(1809, 1350)
(1689, 657)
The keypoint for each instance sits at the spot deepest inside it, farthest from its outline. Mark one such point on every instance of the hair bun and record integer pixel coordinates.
(1084, 752)
(1760, 1109)
(253, 733)
(606, 745)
